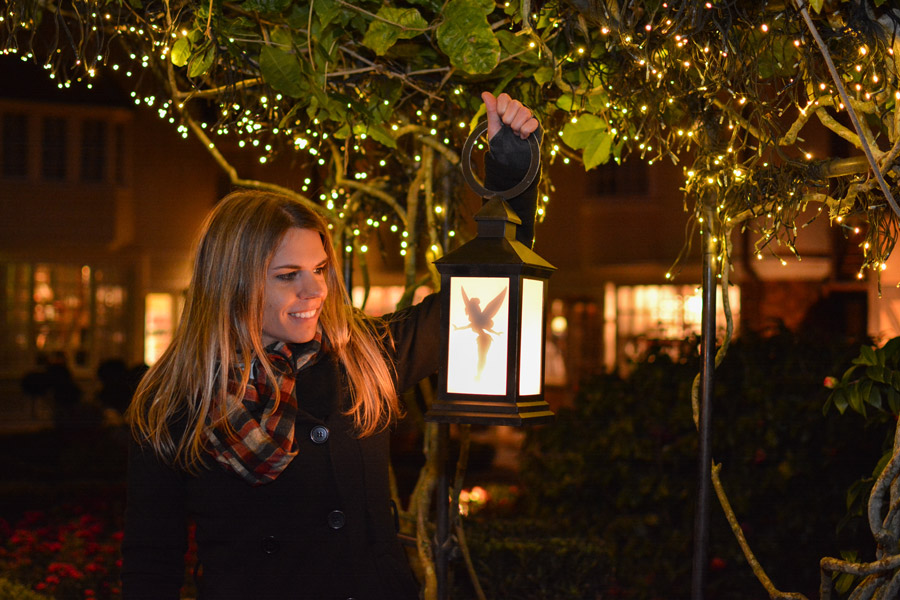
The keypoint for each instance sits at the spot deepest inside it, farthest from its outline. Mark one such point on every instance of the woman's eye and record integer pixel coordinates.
(319, 270)
(287, 276)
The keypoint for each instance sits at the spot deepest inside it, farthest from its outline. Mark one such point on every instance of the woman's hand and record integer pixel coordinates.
(504, 110)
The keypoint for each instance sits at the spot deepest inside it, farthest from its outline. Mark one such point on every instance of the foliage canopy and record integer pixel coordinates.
(374, 91)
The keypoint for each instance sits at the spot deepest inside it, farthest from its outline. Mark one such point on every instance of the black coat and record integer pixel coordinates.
(323, 529)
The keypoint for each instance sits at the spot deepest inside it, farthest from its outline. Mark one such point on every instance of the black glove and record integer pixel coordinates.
(505, 165)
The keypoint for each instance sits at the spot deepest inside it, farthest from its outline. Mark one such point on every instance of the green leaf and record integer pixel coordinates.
(868, 356)
(874, 397)
(778, 56)
(895, 380)
(201, 61)
(592, 103)
(342, 132)
(891, 348)
(597, 153)
(433, 5)
(850, 555)
(379, 133)
(326, 10)
(840, 401)
(181, 51)
(465, 36)
(568, 103)
(590, 135)
(845, 378)
(519, 45)
(859, 396)
(282, 71)
(543, 75)
(876, 374)
(853, 397)
(855, 491)
(265, 6)
(817, 5)
(405, 23)
(844, 581)
(893, 400)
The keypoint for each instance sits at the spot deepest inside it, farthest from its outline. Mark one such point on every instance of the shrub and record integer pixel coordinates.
(621, 466)
(530, 560)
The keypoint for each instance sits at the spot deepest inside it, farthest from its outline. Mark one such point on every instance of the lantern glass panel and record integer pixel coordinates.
(478, 337)
(531, 352)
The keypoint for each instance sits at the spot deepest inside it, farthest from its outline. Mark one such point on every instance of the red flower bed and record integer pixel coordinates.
(66, 553)
(72, 552)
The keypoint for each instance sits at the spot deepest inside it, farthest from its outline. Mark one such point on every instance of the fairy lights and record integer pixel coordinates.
(651, 74)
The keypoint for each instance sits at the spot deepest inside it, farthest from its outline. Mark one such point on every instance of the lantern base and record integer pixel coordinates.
(490, 413)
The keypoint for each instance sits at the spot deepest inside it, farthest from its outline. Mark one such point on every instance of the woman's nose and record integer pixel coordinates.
(311, 286)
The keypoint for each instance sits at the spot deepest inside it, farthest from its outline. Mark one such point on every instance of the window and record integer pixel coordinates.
(93, 150)
(644, 318)
(159, 325)
(15, 321)
(15, 145)
(62, 309)
(54, 136)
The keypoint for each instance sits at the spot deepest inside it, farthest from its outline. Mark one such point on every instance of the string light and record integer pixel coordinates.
(249, 126)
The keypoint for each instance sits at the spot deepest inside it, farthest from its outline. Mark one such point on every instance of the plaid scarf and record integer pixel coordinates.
(262, 443)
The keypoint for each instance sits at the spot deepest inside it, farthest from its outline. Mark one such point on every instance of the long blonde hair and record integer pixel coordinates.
(220, 331)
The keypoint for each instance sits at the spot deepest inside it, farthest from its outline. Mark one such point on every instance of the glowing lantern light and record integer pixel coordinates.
(493, 299)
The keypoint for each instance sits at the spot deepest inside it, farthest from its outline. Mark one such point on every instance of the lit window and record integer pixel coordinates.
(658, 318)
(159, 325)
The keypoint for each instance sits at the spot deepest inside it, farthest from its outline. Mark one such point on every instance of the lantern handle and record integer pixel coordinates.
(478, 187)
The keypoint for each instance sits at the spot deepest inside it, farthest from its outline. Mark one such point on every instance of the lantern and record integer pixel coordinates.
(493, 318)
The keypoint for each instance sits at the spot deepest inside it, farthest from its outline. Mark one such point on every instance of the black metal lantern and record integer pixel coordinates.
(493, 317)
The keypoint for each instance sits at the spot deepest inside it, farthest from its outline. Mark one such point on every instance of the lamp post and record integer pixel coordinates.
(493, 328)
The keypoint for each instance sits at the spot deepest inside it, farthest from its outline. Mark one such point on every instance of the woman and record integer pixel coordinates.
(265, 420)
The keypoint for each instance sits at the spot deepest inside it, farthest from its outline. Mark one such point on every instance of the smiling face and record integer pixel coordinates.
(295, 288)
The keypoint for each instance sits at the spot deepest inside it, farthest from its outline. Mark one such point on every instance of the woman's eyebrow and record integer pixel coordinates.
(298, 267)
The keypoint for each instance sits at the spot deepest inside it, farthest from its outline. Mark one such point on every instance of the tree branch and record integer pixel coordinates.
(214, 92)
(851, 109)
(236, 180)
(377, 193)
(744, 123)
(745, 547)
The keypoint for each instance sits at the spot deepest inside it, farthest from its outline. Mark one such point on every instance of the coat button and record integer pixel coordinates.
(270, 545)
(319, 434)
(336, 519)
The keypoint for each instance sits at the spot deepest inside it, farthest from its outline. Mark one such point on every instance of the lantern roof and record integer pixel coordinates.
(496, 242)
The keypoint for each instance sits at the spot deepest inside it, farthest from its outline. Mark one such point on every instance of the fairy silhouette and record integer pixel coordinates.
(481, 322)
